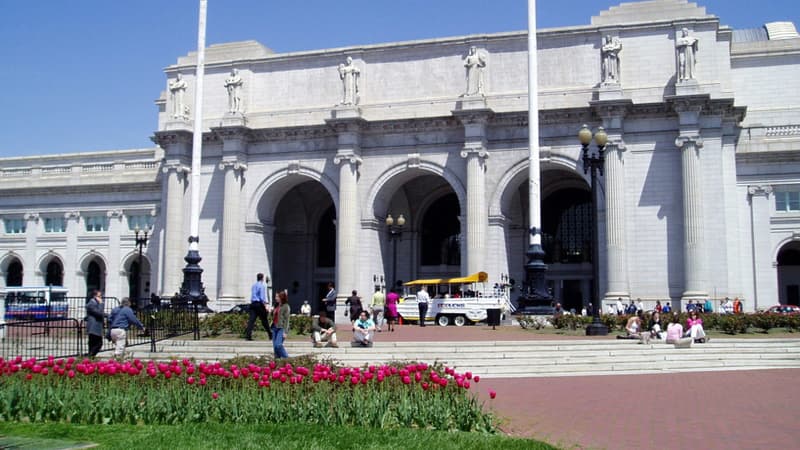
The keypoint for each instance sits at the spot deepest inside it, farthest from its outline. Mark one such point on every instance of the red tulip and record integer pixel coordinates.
(28, 376)
(492, 394)
(215, 396)
(476, 378)
(406, 380)
(190, 380)
(71, 374)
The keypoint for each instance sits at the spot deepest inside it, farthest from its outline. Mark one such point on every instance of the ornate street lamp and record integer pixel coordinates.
(141, 242)
(395, 228)
(594, 163)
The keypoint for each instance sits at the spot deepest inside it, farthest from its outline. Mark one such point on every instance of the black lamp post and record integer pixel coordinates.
(141, 242)
(594, 163)
(395, 228)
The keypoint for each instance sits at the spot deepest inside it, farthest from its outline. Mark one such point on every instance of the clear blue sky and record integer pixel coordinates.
(82, 75)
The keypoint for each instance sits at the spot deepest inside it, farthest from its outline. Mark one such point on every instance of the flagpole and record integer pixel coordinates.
(536, 293)
(192, 290)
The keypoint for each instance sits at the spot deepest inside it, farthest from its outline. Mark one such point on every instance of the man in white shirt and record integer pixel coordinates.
(423, 298)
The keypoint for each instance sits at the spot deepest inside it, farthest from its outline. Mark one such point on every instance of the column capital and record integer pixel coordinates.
(72, 215)
(759, 191)
(115, 213)
(349, 157)
(474, 148)
(31, 216)
(683, 142)
(175, 166)
(235, 165)
(478, 116)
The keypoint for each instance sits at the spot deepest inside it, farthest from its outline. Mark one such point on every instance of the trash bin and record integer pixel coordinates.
(493, 317)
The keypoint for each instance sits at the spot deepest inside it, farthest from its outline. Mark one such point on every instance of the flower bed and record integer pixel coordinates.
(181, 392)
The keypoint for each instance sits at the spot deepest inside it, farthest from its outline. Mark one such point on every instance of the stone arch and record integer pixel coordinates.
(129, 266)
(87, 270)
(395, 176)
(44, 264)
(787, 262)
(272, 189)
(7, 263)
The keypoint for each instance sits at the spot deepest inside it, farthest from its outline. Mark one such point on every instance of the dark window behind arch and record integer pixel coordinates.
(94, 275)
(441, 233)
(567, 226)
(14, 273)
(326, 239)
(55, 274)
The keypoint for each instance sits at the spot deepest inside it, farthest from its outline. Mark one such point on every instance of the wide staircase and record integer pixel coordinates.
(503, 359)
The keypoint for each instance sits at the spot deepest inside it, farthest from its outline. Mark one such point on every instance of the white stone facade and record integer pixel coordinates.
(297, 185)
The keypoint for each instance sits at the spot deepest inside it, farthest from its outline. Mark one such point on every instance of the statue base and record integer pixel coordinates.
(471, 102)
(346, 112)
(609, 91)
(178, 125)
(233, 119)
(687, 87)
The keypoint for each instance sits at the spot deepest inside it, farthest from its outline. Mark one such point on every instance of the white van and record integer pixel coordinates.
(455, 301)
(34, 303)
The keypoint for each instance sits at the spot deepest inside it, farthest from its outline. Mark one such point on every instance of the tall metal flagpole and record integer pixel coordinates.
(192, 282)
(536, 293)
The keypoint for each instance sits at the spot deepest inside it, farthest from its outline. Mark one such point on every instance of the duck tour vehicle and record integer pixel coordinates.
(456, 301)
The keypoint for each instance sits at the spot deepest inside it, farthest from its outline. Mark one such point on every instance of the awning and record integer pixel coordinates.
(479, 277)
(426, 282)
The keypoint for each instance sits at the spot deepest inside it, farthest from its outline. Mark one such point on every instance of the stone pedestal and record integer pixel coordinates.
(609, 91)
(471, 102)
(178, 125)
(236, 119)
(687, 87)
(346, 112)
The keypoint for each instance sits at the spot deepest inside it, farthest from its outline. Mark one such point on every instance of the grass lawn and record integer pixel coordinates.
(287, 436)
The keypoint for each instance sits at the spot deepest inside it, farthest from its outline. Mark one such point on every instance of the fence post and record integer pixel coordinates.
(196, 323)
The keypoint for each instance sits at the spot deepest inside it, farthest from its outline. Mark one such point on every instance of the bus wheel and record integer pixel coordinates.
(459, 321)
(443, 320)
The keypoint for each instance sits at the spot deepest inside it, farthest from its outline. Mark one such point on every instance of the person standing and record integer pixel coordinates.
(391, 308)
(122, 317)
(377, 305)
(422, 302)
(620, 306)
(280, 324)
(737, 306)
(258, 307)
(329, 302)
(354, 301)
(94, 322)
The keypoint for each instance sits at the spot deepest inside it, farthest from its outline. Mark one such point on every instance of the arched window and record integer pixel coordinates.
(55, 274)
(94, 276)
(14, 273)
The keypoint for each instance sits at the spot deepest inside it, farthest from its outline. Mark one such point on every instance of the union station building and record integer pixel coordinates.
(305, 155)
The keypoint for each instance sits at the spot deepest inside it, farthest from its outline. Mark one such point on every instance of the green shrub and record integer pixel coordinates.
(733, 323)
(299, 324)
(570, 321)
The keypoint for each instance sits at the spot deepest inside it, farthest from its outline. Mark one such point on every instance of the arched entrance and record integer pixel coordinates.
(138, 280)
(54, 273)
(95, 275)
(12, 270)
(566, 233)
(430, 243)
(303, 257)
(789, 274)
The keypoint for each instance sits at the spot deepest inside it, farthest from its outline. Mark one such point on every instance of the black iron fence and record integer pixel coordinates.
(60, 330)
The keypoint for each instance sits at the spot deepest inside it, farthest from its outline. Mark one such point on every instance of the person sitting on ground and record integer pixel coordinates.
(305, 309)
(634, 329)
(122, 318)
(363, 330)
(658, 306)
(324, 330)
(675, 333)
(654, 325)
(694, 328)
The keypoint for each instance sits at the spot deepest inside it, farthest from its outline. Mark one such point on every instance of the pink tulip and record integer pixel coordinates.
(425, 385)
(476, 378)
(466, 385)
(190, 380)
(71, 374)
(202, 381)
(492, 394)
(28, 377)
(215, 396)
(406, 380)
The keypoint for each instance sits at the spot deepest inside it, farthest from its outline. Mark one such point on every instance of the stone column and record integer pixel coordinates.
(477, 214)
(234, 149)
(177, 145)
(174, 246)
(616, 253)
(348, 124)
(765, 278)
(693, 230)
(229, 292)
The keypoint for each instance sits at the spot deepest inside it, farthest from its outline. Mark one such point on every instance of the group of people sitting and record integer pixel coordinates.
(675, 333)
(324, 328)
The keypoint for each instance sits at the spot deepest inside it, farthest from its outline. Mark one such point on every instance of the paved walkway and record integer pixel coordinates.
(720, 410)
